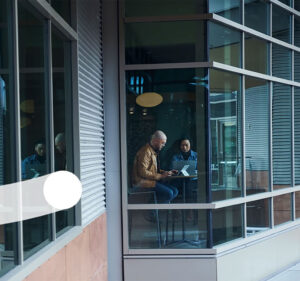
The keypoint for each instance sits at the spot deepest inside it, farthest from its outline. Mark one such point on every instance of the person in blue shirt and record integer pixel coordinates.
(34, 165)
(186, 154)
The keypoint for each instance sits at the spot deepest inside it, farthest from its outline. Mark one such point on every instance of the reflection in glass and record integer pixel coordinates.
(297, 5)
(257, 135)
(288, 2)
(181, 113)
(152, 229)
(297, 31)
(33, 122)
(227, 224)
(297, 134)
(165, 42)
(229, 9)
(61, 61)
(63, 7)
(225, 116)
(256, 54)
(281, 20)
(257, 13)
(297, 204)
(282, 135)
(282, 209)
(224, 44)
(297, 66)
(164, 8)
(7, 144)
(258, 216)
(281, 62)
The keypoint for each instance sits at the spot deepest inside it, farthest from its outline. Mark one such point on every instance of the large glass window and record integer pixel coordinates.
(61, 55)
(257, 135)
(140, 8)
(257, 15)
(225, 131)
(282, 209)
(224, 44)
(281, 62)
(165, 42)
(282, 135)
(281, 28)
(7, 167)
(180, 95)
(256, 54)
(297, 66)
(63, 7)
(297, 31)
(229, 9)
(33, 119)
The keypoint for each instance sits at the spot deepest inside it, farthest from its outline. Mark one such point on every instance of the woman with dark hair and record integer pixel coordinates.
(185, 152)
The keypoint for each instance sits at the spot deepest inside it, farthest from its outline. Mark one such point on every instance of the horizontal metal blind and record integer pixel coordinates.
(90, 80)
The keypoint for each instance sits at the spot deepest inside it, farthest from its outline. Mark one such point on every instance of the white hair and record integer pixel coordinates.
(160, 135)
(60, 137)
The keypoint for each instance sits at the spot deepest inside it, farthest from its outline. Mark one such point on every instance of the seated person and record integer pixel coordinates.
(147, 174)
(186, 154)
(34, 165)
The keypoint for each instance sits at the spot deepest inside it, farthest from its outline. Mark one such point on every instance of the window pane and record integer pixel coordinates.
(63, 7)
(227, 224)
(282, 209)
(297, 66)
(258, 216)
(224, 44)
(229, 9)
(297, 134)
(169, 229)
(297, 31)
(256, 54)
(257, 15)
(33, 119)
(281, 62)
(288, 2)
(282, 136)
(281, 28)
(297, 204)
(180, 114)
(225, 116)
(61, 57)
(164, 7)
(297, 5)
(165, 42)
(7, 148)
(257, 135)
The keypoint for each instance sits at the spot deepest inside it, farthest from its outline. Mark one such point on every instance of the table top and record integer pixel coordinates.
(181, 177)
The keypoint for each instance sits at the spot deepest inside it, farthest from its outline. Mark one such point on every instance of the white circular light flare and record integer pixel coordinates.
(62, 190)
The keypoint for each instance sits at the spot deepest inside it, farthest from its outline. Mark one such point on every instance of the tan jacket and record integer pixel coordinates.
(144, 173)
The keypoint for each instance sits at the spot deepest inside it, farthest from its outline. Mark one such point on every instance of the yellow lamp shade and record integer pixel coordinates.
(149, 99)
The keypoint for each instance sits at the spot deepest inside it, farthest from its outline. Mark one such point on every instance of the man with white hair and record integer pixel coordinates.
(147, 174)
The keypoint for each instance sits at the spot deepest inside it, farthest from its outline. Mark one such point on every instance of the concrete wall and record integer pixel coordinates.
(83, 259)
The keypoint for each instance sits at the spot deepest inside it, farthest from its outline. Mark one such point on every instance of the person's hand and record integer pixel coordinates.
(174, 172)
(165, 174)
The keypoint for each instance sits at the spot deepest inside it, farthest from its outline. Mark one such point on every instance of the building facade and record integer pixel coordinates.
(92, 80)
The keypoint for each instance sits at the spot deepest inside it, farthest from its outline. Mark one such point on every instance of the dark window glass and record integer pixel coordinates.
(258, 218)
(288, 2)
(281, 62)
(229, 9)
(297, 134)
(165, 42)
(297, 31)
(297, 66)
(256, 54)
(224, 44)
(150, 229)
(33, 119)
(282, 209)
(140, 8)
(7, 164)
(297, 204)
(61, 58)
(227, 224)
(63, 7)
(297, 5)
(281, 28)
(257, 135)
(179, 111)
(257, 13)
(282, 135)
(225, 116)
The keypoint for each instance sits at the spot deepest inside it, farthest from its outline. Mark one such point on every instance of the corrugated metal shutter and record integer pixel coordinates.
(297, 135)
(91, 109)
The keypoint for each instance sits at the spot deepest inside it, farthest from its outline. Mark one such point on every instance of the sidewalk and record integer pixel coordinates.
(291, 274)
